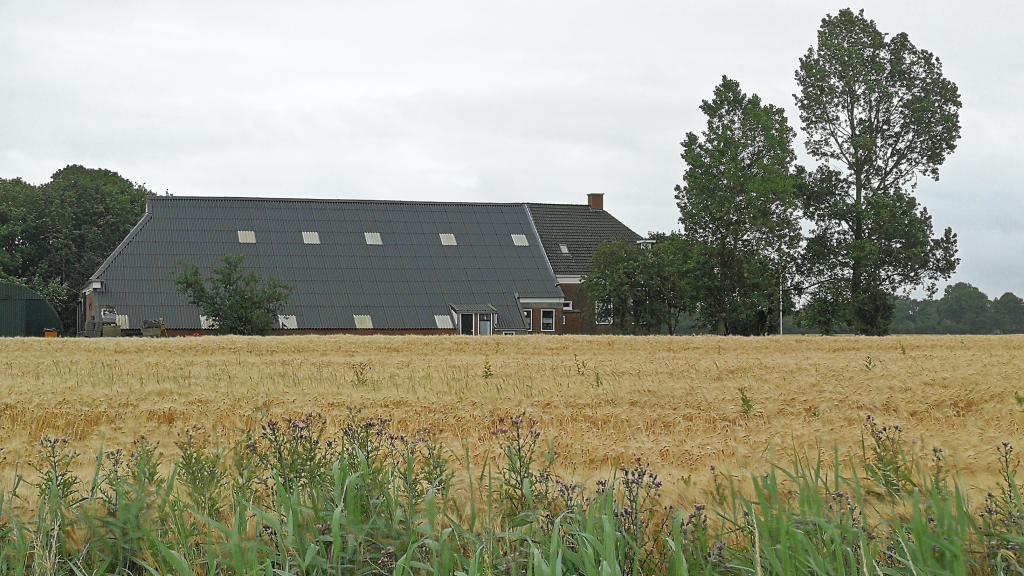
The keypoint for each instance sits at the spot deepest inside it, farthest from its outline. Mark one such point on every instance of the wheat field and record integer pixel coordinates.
(601, 401)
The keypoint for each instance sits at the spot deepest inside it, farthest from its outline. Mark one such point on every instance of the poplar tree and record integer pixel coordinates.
(878, 114)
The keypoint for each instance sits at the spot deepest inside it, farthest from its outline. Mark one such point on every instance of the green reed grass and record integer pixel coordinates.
(291, 499)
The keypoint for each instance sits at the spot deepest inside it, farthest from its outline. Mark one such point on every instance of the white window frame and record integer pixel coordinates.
(373, 239)
(520, 240)
(246, 236)
(567, 305)
(448, 239)
(553, 316)
(490, 323)
(564, 248)
(507, 333)
(528, 317)
(310, 237)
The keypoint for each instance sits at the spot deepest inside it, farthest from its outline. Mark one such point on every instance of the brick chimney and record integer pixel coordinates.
(595, 200)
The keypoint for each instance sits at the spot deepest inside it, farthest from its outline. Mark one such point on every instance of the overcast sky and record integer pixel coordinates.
(470, 100)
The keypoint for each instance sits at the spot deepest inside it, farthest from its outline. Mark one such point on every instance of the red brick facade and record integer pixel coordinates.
(537, 318)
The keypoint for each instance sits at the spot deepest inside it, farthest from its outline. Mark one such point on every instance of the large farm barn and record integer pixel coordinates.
(363, 266)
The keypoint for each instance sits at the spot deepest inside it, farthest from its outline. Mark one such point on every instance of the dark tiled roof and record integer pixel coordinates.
(401, 284)
(581, 229)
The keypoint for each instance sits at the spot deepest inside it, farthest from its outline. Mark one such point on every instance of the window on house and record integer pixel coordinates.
(485, 323)
(508, 333)
(287, 322)
(372, 238)
(603, 313)
(567, 305)
(122, 322)
(443, 321)
(520, 240)
(310, 237)
(547, 320)
(563, 248)
(363, 321)
(528, 317)
(246, 237)
(448, 239)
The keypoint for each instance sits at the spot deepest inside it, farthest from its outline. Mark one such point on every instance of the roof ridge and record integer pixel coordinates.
(333, 200)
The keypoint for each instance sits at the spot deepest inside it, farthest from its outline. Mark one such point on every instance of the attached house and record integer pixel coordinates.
(359, 266)
(570, 234)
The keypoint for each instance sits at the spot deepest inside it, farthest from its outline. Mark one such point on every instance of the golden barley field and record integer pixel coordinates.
(674, 402)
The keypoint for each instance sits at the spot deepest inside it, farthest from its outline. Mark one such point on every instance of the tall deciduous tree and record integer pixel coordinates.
(738, 208)
(878, 113)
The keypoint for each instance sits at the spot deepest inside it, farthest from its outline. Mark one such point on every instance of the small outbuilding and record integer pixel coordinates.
(24, 312)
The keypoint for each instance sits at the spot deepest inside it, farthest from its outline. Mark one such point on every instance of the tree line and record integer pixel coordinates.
(963, 309)
(762, 234)
(53, 236)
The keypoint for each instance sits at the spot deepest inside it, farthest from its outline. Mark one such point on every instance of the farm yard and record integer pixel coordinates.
(674, 402)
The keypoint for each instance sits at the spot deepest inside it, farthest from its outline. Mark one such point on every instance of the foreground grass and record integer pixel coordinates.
(291, 499)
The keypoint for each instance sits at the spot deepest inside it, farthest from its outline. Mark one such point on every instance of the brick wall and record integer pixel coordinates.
(537, 311)
(581, 319)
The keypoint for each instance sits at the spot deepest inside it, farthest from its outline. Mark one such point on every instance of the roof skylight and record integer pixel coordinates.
(246, 237)
(363, 321)
(520, 240)
(448, 239)
(563, 248)
(372, 238)
(310, 237)
(443, 321)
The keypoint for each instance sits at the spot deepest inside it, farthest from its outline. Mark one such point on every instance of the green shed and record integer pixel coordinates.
(24, 313)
